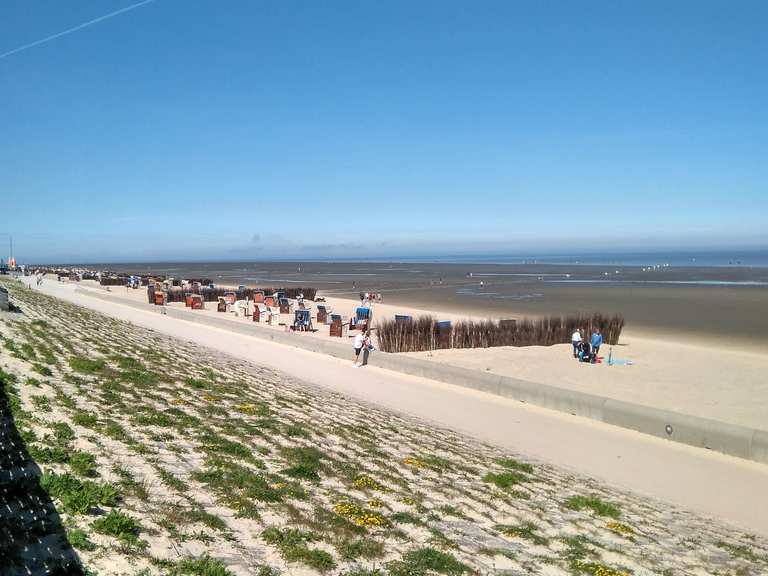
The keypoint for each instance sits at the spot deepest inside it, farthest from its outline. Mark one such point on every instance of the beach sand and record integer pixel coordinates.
(680, 373)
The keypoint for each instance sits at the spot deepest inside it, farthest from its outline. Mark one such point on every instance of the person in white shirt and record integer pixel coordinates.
(576, 341)
(361, 341)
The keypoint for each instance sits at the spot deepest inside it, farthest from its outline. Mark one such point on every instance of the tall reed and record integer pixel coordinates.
(424, 333)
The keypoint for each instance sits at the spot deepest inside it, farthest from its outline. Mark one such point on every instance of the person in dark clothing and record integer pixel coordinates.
(585, 352)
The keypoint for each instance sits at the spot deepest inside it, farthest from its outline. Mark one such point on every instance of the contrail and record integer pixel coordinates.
(74, 29)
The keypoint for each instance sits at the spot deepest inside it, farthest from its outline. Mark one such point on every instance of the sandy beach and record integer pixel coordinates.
(684, 373)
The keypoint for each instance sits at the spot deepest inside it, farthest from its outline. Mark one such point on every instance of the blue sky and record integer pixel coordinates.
(251, 129)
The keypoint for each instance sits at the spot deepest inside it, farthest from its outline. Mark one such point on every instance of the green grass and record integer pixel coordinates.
(172, 481)
(128, 363)
(237, 486)
(86, 365)
(305, 462)
(153, 417)
(219, 445)
(423, 561)
(527, 530)
(79, 539)
(360, 548)
(292, 545)
(512, 464)
(63, 432)
(78, 496)
(41, 403)
(42, 369)
(115, 431)
(405, 518)
(505, 480)
(200, 566)
(595, 504)
(83, 464)
(85, 419)
(741, 551)
(122, 526)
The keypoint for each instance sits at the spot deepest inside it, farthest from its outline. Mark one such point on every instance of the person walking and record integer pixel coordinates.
(576, 341)
(596, 341)
(359, 343)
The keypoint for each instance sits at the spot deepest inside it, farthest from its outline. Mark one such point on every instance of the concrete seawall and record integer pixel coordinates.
(735, 440)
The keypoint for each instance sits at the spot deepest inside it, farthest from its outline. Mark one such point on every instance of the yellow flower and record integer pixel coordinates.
(415, 462)
(364, 481)
(357, 514)
(620, 528)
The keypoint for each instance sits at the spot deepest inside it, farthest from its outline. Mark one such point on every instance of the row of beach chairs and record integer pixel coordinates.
(269, 308)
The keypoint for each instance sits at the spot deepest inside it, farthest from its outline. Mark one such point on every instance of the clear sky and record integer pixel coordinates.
(250, 129)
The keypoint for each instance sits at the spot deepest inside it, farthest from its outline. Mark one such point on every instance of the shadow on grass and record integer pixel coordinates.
(32, 538)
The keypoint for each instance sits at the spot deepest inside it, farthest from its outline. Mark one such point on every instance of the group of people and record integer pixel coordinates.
(362, 342)
(368, 298)
(586, 350)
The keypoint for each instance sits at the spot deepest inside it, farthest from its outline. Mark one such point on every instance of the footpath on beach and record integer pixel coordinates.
(729, 488)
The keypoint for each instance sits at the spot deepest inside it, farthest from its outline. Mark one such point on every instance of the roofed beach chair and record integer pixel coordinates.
(285, 306)
(222, 305)
(230, 297)
(260, 313)
(302, 321)
(188, 299)
(323, 314)
(196, 302)
(258, 296)
(362, 318)
(241, 308)
(337, 326)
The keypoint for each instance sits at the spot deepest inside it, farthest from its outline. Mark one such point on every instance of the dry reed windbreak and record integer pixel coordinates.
(424, 333)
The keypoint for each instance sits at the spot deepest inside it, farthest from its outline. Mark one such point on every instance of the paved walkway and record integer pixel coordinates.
(728, 488)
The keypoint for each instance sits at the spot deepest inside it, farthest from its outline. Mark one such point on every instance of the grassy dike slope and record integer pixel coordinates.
(134, 453)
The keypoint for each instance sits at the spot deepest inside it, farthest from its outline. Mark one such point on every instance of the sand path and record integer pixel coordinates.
(725, 487)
